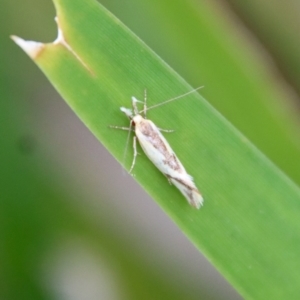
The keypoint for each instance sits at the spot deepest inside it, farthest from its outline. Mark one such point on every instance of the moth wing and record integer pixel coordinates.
(189, 191)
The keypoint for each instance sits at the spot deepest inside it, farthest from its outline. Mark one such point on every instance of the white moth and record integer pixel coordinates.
(159, 151)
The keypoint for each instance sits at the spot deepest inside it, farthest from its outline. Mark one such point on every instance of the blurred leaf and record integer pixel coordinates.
(276, 24)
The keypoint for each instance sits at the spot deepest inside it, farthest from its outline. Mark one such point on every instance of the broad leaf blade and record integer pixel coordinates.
(249, 221)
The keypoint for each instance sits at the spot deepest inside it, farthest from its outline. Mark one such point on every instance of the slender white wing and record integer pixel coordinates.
(163, 157)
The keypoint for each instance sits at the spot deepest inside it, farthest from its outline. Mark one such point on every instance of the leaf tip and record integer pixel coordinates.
(32, 48)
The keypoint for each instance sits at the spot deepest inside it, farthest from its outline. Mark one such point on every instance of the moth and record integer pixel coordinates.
(158, 150)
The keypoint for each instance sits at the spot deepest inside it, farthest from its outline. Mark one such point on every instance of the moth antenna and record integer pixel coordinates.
(176, 98)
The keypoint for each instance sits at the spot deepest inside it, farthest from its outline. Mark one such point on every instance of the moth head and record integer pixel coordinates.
(127, 111)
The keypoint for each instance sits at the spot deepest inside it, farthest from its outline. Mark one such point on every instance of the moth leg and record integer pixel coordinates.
(120, 127)
(145, 103)
(169, 179)
(166, 130)
(134, 154)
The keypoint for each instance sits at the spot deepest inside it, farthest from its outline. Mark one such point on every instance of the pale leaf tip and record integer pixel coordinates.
(32, 48)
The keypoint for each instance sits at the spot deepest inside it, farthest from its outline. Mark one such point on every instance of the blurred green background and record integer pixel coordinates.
(66, 231)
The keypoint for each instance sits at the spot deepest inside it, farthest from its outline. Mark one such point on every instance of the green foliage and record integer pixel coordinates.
(249, 223)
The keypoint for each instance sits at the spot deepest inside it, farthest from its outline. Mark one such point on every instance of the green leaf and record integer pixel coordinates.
(249, 223)
(210, 46)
